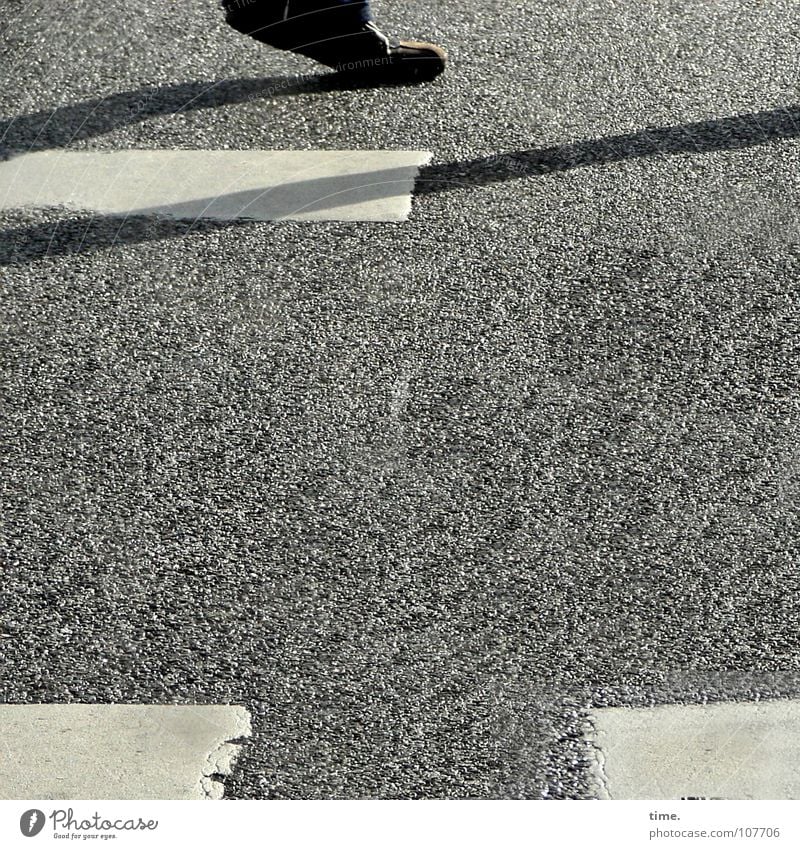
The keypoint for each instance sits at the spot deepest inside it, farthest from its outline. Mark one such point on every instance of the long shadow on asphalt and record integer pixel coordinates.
(56, 128)
(86, 233)
(739, 131)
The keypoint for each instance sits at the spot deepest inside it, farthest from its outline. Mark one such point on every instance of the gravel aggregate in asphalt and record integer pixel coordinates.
(417, 495)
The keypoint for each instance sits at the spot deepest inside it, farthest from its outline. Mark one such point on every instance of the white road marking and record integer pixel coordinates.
(260, 185)
(732, 750)
(77, 751)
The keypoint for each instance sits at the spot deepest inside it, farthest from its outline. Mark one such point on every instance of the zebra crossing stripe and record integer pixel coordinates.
(259, 185)
(113, 751)
(730, 750)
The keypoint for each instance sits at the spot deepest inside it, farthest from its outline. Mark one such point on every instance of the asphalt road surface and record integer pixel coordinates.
(417, 494)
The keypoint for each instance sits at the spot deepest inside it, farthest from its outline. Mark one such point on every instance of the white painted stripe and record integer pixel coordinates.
(118, 751)
(260, 185)
(731, 750)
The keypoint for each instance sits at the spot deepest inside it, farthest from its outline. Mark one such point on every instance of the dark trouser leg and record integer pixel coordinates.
(329, 31)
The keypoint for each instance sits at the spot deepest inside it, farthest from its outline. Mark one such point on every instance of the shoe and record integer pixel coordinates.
(370, 57)
(334, 35)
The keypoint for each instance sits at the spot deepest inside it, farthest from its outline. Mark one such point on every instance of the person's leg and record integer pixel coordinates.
(337, 33)
(296, 24)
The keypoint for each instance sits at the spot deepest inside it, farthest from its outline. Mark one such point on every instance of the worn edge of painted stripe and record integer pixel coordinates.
(760, 723)
(227, 185)
(51, 744)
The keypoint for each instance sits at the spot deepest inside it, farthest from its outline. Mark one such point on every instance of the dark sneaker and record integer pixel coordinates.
(336, 35)
(372, 58)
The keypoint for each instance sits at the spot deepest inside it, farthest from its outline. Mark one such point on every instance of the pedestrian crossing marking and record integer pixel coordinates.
(116, 751)
(226, 185)
(729, 750)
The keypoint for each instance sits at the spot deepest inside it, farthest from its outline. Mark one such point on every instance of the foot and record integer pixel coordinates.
(368, 56)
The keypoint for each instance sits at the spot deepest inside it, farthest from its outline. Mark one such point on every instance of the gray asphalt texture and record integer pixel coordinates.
(419, 495)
